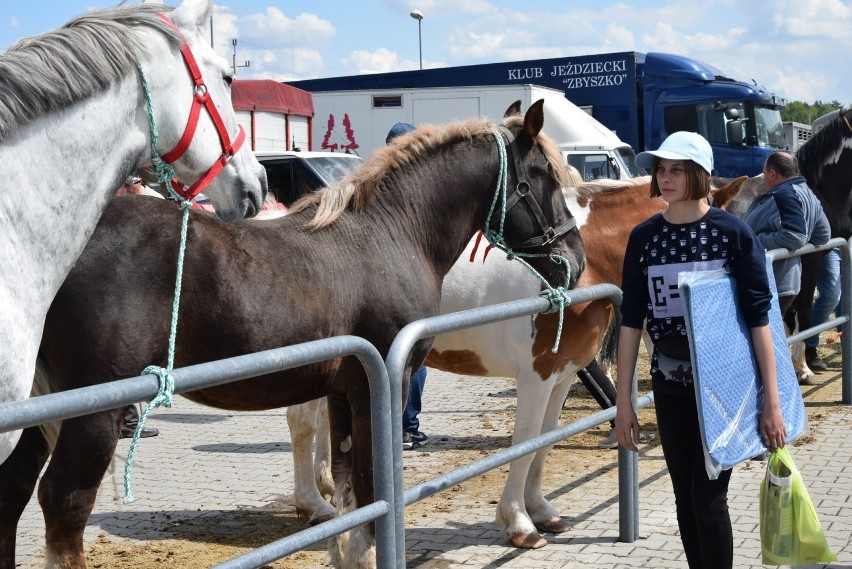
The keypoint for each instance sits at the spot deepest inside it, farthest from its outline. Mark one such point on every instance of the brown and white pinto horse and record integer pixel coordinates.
(606, 212)
(365, 258)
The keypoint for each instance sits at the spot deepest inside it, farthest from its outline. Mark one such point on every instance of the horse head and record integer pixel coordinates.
(735, 195)
(826, 163)
(190, 91)
(723, 196)
(538, 223)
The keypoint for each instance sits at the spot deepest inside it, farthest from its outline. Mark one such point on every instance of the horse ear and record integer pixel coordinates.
(534, 120)
(192, 14)
(723, 196)
(514, 109)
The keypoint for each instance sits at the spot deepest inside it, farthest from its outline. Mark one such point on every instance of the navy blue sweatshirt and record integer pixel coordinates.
(658, 250)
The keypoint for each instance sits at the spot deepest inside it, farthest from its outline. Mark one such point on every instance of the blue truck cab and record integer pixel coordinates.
(742, 122)
(642, 97)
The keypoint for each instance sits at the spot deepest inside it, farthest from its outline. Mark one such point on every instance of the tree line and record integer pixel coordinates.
(806, 113)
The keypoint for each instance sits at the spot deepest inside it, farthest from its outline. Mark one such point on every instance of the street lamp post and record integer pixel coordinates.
(418, 15)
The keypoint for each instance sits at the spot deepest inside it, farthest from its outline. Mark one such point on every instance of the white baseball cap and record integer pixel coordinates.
(680, 146)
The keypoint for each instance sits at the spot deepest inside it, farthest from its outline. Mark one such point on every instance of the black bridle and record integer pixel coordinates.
(522, 191)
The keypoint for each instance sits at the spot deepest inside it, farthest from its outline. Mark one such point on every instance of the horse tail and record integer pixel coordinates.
(42, 382)
(609, 347)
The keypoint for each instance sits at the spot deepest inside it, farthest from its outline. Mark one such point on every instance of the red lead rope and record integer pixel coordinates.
(479, 236)
(199, 99)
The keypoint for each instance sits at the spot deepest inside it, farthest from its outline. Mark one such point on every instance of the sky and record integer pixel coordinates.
(798, 49)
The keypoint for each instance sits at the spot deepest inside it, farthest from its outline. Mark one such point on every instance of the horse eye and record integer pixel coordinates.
(228, 78)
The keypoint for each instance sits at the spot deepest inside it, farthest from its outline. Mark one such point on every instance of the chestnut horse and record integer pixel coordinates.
(364, 257)
(606, 211)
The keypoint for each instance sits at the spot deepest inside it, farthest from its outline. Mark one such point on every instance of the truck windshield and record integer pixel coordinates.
(770, 130)
(593, 166)
(332, 169)
(630, 160)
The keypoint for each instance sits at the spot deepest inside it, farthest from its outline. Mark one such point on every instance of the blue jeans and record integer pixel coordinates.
(828, 287)
(410, 422)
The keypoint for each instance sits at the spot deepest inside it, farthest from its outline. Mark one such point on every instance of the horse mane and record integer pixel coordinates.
(607, 185)
(812, 153)
(364, 184)
(51, 71)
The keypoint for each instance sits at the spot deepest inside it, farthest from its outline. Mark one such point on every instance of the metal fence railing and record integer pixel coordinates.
(385, 379)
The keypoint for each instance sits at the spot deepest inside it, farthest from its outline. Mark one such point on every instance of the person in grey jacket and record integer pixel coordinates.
(788, 216)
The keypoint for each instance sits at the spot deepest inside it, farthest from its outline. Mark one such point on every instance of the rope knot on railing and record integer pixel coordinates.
(164, 397)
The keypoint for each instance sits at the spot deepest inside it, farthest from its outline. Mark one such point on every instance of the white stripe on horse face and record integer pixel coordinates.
(581, 214)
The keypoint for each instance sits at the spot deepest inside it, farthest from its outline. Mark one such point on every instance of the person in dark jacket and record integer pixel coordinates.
(787, 216)
(690, 236)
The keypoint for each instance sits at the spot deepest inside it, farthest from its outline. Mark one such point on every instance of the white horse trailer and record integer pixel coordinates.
(359, 121)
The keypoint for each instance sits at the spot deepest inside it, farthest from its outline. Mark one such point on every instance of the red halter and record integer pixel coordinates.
(199, 99)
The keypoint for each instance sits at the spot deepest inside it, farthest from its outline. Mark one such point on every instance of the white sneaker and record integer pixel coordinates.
(611, 440)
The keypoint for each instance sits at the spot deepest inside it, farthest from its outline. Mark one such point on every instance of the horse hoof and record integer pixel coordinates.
(317, 520)
(557, 525)
(528, 541)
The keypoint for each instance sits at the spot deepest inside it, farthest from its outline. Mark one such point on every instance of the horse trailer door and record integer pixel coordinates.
(298, 132)
(270, 132)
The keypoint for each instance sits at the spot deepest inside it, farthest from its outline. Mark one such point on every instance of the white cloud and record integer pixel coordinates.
(13, 22)
(828, 20)
(795, 85)
(278, 30)
(380, 61)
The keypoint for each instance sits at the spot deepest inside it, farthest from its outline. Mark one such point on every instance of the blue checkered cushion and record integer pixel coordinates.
(727, 386)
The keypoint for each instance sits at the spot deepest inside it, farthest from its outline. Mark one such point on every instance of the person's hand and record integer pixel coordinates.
(771, 427)
(627, 426)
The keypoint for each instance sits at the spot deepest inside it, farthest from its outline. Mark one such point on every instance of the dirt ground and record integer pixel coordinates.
(206, 542)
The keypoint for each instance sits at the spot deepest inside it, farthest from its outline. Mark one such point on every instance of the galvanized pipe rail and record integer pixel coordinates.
(86, 400)
(399, 354)
(845, 307)
(386, 392)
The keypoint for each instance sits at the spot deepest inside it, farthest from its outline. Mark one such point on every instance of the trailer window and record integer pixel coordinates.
(387, 101)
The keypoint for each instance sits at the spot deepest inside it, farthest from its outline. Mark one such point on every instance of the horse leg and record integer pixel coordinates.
(803, 307)
(69, 487)
(512, 517)
(302, 420)
(322, 452)
(546, 518)
(18, 477)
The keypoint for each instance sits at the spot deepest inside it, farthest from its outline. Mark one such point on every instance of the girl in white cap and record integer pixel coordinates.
(689, 236)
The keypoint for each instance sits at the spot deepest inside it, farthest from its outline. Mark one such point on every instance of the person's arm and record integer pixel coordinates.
(771, 426)
(792, 233)
(626, 422)
(822, 230)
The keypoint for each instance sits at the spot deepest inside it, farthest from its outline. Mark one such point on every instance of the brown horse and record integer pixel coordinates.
(606, 212)
(365, 258)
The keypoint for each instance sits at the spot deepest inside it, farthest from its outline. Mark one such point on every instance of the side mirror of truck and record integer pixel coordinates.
(735, 132)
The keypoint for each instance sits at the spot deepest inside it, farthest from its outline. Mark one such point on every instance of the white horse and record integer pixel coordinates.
(74, 122)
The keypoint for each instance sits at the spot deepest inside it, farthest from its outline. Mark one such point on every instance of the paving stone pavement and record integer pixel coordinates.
(208, 463)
